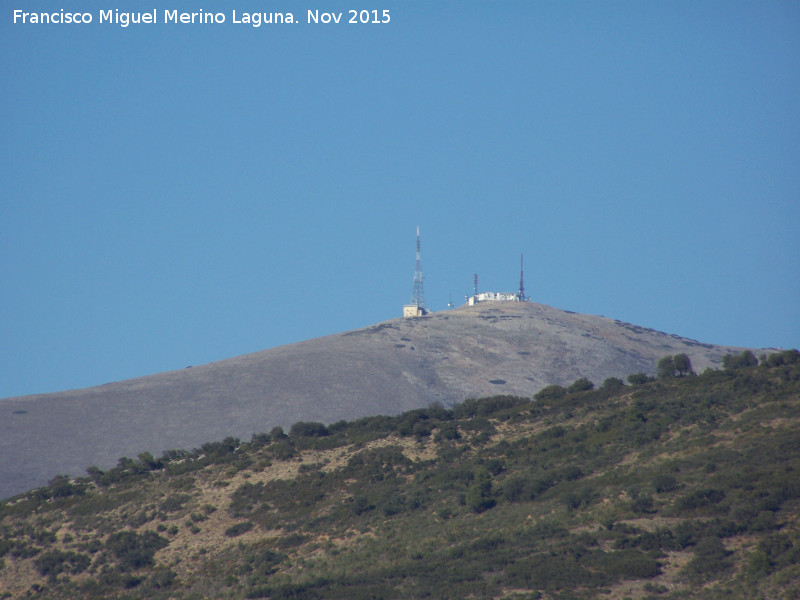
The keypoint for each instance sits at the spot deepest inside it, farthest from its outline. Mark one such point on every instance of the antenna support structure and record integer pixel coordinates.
(518, 296)
(417, 306)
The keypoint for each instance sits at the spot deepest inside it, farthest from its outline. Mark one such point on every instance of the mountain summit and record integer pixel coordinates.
(491, 348)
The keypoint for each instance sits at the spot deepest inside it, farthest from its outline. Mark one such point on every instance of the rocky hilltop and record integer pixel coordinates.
(387, 368)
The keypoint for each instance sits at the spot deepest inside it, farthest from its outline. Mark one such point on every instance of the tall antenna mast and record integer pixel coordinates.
(521, 284)
(418, 297)
(476, 285)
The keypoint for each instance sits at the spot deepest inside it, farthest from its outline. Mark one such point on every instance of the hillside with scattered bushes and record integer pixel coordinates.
(681, 486)
(512, 348)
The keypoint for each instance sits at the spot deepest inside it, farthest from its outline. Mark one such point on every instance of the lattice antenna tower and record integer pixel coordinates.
(418, 297)
(521, 283)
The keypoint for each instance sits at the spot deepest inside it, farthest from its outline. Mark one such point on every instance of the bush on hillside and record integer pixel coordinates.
(551, 392)
(682, 364)
(613, 384)
(742, 360)
(479, 495)
(133, 550)
(639, 379)
(580, 385)
(238, 529)
(54, 562)
(308, 429)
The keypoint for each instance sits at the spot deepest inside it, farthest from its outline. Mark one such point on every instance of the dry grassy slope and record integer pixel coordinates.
(397, 365)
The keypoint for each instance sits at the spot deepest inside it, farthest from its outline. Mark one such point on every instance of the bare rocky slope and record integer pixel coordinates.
(387, 368)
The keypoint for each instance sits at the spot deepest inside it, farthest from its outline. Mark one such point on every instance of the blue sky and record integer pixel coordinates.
(172, 195)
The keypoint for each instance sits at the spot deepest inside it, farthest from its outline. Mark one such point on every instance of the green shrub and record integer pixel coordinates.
(133, 550)
(361, 504)
(701, 498)
(292, 541)
(786, 357)
(613, 384)
(546, 530)
(406, 422)
(479, 495)
(514, 489)
(666, 367)
(665, 483)
(162, 578)
(742, 360)
(571, 473)
(220, 450)
(551, 392)
(642, 505)
(580, 385)
(61, 486)
(682, 364)
(174, 502)
(579, 497)
(283, 449)
(238, 529)
(548, 571)
(308, 429)
(54, 562)
(773, 553)
(493, 406)
(629, 564)
(639, 379)
(447, 431)
(709, 561)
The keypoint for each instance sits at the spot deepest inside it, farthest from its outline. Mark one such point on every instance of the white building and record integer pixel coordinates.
(495, 297)
(414, 310)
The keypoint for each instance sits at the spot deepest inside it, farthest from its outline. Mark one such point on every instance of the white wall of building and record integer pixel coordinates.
(493, 297)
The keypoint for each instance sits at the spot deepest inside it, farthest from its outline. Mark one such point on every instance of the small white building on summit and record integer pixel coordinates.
(499, 296)
(494, 297)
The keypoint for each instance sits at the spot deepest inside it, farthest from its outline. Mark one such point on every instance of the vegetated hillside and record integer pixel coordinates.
(685, 487)
(494, 348)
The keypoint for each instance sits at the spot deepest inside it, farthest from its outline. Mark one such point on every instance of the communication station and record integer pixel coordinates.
(417, 306)
(518, 296)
